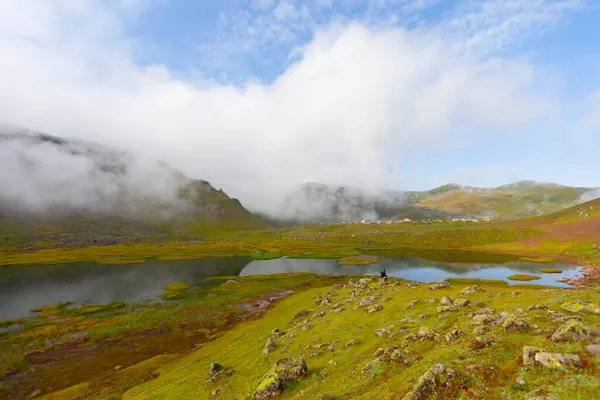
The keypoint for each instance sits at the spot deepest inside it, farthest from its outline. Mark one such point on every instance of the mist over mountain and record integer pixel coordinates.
(86, 187)
(316, 202)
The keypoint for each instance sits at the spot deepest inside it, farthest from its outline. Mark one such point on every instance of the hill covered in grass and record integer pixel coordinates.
(319, 203)
(328, 338)
(66, 193)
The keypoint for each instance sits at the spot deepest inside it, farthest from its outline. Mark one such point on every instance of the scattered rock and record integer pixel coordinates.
(216, 392)
(269, 346)
(483, 319)
(520, 382)
(558, 360)
(453, 334)
(446, 301)
(303, 313)
(462, 302)
(439, 285)
(593, 349)
(374, 308)
(515, 294)
(445, 309)
(36, 393)
(365, 302)
(215, 368)
(384, 331)
(432, 301)
(581, 306)
(413, 303)
(470, 290)
(529, 353)
(285, 369)
(431, 382)
(479, 303)
(275, 333)
(332, 348)
(326, 397)
(351, 343)
(514, 324)
(576, 331)
(481, 330)
(118, 368)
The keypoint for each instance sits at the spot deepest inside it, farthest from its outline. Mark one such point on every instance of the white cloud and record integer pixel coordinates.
(285, 10)
(353, 103)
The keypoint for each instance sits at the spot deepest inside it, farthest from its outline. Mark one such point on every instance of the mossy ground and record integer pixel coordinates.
(524, 277)
(360, 260)
(339, 372)
(64, 345)
(551, 270)
(151, 343)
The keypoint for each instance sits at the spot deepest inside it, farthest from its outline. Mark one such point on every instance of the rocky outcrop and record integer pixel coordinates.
(431, 382)
(273, 383)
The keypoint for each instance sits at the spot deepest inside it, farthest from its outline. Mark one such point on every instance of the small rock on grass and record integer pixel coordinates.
(529, 353)
(269, 346)
(439, 285)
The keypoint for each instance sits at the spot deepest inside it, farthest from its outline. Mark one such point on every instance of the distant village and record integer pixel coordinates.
(408, 220)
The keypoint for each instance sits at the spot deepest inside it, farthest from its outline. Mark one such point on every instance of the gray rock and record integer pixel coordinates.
(446, 301)
(529, 353)
(431, 382)
(461, 302)
(593, 349)
(439, 285)
(576, 331)
(374, 308)
(269, 346)
(557, 360)
(514, 324)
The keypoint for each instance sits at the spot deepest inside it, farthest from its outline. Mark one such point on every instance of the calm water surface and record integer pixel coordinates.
(25, 287)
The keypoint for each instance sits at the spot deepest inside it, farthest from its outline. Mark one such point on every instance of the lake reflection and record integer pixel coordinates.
(417, 269)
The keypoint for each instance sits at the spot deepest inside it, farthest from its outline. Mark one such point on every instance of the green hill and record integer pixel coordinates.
(314, 203)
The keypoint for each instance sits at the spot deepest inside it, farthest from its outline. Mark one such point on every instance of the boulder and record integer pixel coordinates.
(529, 353)
(439, 285)
(470, 290)
(481, 330)
(302, 314)
(446, 301)
(275, 333)
(453, 334)
(374, 308)
(365, 302)
(431, 382)
(558, 360)
(383, 331)
(215, 368)
(576, 331)
(269, 346)
(461, 302)
(514, 324)
(593, 349)
(581, 306)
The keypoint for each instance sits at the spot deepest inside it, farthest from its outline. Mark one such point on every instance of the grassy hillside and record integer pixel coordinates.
(356, 340)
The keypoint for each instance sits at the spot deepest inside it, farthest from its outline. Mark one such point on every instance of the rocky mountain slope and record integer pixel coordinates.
(69, 193)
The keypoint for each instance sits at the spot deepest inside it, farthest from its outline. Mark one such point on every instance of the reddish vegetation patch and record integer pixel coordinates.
(82, 360)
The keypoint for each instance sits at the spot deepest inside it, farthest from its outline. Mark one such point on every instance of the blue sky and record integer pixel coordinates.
(259, 95)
